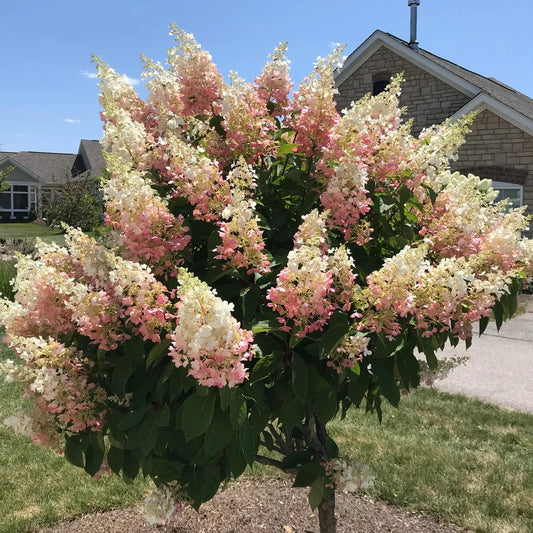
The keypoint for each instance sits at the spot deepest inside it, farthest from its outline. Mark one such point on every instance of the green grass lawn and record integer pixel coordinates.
(38, 487)
(28, 230)
(449, 456)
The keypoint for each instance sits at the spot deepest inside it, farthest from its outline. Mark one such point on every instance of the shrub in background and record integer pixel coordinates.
(73, 202)
(269, 265)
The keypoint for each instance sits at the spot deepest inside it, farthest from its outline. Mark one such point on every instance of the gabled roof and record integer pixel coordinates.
(91, 152)
(49, 167)
(489, 93)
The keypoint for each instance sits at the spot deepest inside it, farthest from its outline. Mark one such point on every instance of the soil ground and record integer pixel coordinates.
(266, 505)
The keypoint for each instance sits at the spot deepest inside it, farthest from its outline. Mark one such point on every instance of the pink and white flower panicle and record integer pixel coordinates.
(207, 339)
(315, 281)
(242, 240)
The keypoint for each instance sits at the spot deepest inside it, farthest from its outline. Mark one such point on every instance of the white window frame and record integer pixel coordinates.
(32, 199)
(502, 185)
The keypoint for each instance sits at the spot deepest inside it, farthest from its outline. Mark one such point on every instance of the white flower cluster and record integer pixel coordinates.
(20, 423)
(159, 506)
(349, 475)
(208, 339)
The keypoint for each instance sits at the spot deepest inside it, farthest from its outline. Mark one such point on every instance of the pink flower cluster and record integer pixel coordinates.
(200, 84)
(346, 199)
(313, 113)
(274, 83)
(147, 231)
(110, 300)
(248, 126)
(314, 283)
(207, 339)
(242, 240)
(57, 378)
(190, 174)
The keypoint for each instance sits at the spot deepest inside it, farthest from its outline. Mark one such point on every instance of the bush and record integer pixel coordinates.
(72, 202)
(269, 264)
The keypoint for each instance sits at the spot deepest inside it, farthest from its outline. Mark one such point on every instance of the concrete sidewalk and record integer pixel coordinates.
(499, 369)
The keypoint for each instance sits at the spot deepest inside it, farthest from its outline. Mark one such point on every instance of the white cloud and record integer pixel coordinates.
(93, 76)
(132, 81)
(73, 121)
(89, 75)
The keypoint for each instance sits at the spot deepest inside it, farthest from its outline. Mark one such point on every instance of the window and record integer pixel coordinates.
(18, 201)
(509, 191)
(379, 86)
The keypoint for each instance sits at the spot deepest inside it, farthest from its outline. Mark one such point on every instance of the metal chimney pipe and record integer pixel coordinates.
(413, 4)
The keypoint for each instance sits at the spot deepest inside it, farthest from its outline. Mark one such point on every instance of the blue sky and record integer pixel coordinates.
(49, 100)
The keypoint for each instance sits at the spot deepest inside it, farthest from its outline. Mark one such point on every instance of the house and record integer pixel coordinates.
(31, 173)
(500, 144)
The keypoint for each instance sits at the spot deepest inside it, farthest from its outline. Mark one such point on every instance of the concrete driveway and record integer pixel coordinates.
(499, 369)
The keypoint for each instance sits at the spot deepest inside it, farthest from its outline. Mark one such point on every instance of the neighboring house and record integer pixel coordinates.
(500, 145)
(33, 172)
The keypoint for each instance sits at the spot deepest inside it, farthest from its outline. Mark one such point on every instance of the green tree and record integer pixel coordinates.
(73, 201)
(271, 265)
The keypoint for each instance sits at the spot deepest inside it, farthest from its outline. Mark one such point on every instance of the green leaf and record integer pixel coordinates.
(316, 494)
(332, 450)
(300, 381)
(288, 148)
(264, 326)
(226, 396)
(317, 383)
(238, 411)
(93, 459)
(498, 314)
(248, 443)
(130, 465)
(250, 300)
(294, 341)
(162, 416)
(381, 368)
(236, 459)
(134, 349)
(74, 451)
(338, 327)
(408, 368)
(148, 435)
(132, 419)
(96, 439)
(203, 483)
(115, 458)
(157, 353)
(429, 352)
(121, 374)
(295, 459)
(197, 414)
(165, 471)
(218, 434)
(483, 323)
(265, 367)
(292, 412)
(307, 474)
(325, 406)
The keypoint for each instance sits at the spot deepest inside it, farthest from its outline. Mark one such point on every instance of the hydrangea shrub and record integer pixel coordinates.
(269, 263)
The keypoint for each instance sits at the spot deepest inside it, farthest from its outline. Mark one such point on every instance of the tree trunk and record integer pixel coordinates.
(326, 514)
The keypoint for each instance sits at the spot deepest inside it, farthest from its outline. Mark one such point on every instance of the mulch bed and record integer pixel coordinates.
(266, 505)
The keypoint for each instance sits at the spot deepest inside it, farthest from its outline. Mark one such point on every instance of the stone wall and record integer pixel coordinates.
(494, 149)
(498, 150)
(428, 99)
